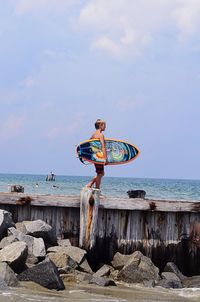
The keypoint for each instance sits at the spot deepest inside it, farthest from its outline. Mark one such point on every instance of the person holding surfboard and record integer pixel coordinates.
(100, 126)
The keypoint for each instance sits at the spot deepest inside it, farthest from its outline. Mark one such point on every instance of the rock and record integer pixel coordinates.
(5, 222)
(15, 254)
(38, 229)
(21, 227)
(77, 254)
(169, 280)
(66, 270)
(77, 277)
(44, 273)
(102, 281)
(3, 285)
(7, 275)
(171, 267)
(7, 240)
(82, 277)
(64, 242)
(114, 274)
(192, 282)
(138, 269)
(84, 267)
(36, 246)
(119, 260)
(68, 278)
(62, 260)
(31, 260)
(103, 271)
(149, 283)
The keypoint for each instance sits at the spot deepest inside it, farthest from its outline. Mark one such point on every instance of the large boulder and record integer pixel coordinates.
(7, 275)
(64, 242)
(76, 254)
(119, 260)
(44, 273)
(62, 260)
(39, 229)
(104, 271)
(36, 246)
(5, 222)
(7, 240)
(15, 254)
(170, 280)
(171, 267)
(139, 268)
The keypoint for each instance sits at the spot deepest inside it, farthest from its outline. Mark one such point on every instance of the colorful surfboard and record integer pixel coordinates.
(118, 152)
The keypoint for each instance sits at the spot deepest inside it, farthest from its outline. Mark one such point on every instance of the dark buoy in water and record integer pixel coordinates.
(136, 194)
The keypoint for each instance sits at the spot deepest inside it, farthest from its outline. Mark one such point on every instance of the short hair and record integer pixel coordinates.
(98, 123)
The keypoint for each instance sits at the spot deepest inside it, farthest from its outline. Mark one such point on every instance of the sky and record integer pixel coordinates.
(133, 63)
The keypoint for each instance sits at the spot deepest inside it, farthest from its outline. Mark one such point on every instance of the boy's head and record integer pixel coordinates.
(100, 124)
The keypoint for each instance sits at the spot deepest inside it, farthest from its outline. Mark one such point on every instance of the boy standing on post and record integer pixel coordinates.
(100, 126)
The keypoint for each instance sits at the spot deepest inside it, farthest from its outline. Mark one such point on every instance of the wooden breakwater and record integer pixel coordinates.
(163, 230)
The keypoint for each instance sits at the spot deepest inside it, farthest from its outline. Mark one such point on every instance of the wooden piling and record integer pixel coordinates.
(89, 205)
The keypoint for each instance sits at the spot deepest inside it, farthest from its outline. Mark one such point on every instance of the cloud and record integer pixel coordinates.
(12, 127)
(45, 6)
(186, 16)
(120, 28)
(127, 27)
(123, 27)
(107, 45)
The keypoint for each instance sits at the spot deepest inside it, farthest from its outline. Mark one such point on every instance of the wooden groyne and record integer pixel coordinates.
(163, 230)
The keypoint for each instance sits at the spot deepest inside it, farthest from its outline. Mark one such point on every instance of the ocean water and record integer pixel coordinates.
(111, 186)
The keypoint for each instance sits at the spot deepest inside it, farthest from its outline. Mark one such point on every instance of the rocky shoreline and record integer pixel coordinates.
(30, 251)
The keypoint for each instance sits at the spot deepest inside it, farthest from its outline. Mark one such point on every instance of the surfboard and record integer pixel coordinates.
(118, 151)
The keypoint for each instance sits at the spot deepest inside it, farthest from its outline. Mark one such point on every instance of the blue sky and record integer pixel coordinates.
(65, 63)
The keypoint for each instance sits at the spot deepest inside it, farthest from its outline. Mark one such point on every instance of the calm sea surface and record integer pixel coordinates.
(111, 186)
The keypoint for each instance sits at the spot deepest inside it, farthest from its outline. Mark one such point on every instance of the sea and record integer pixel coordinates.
(170, 189)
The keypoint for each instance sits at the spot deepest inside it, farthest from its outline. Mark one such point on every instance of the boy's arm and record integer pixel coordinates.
(102, 140)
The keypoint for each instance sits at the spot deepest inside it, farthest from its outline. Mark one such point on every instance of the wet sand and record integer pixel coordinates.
(29, 291)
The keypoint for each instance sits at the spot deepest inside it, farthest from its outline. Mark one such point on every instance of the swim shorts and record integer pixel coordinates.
(99, 169)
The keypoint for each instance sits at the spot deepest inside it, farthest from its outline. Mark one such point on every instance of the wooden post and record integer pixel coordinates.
(89, 205)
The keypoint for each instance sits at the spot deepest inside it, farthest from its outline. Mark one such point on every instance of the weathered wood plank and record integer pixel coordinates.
(41, 200)
(105, 202)
(150, 204)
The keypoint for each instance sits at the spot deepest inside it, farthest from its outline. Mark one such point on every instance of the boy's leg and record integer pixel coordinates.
(98, 181)
(100, 174)
(90, 184)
